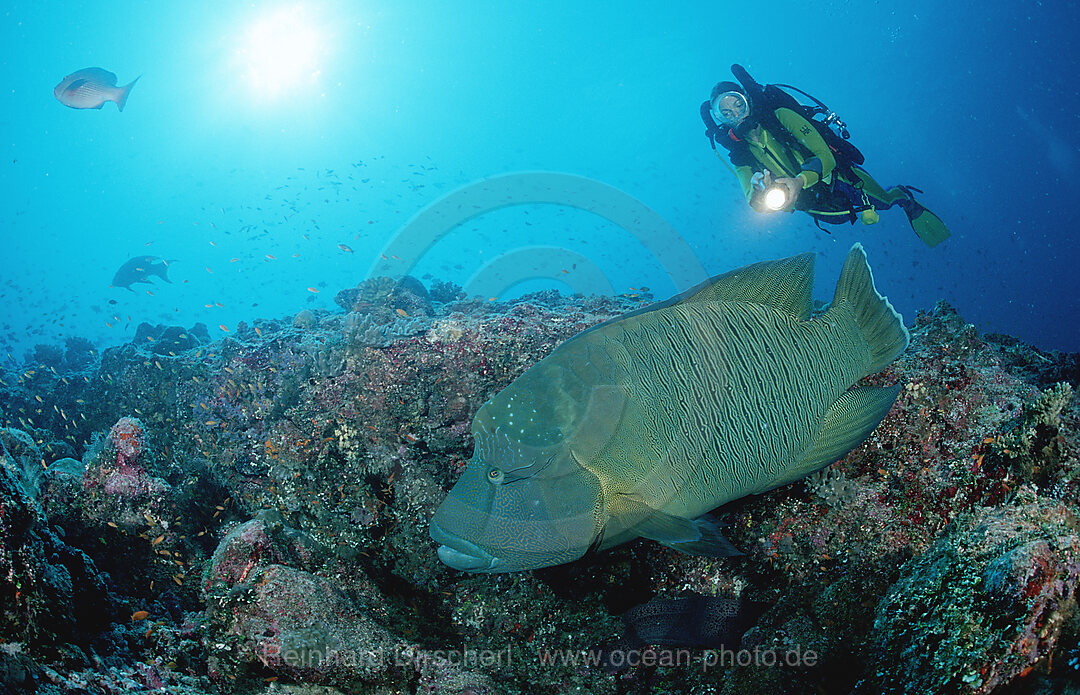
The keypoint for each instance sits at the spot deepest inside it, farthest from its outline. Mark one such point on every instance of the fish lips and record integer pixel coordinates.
(460, 554)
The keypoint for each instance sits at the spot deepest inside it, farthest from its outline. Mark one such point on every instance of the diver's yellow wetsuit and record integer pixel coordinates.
(830, 193)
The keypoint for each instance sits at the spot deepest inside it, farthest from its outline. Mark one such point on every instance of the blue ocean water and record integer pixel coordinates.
(263, 136)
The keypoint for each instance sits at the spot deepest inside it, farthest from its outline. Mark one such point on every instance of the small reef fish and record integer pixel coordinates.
(709, 622)
(639, 426)
(140, 268)
(90, 88)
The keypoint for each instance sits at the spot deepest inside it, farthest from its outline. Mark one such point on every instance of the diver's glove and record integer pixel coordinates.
(759, 182)
(794, 187)
(762, 182)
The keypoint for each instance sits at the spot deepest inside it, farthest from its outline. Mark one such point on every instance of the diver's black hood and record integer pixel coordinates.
(750, 87)
(747, 85)
(725, 86)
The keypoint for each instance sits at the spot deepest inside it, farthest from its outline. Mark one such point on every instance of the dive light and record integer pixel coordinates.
(776, 197)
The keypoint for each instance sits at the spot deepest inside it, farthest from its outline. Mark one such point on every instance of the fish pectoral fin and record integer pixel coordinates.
(699, 536)
(847, 423)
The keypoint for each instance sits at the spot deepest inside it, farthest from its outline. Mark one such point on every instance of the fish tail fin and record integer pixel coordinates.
(164, 274)
(880, 324)
(121, 98)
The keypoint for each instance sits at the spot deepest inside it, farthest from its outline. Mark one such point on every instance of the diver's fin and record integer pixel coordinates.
(699, 536)
(926, 224)
(881, 327)
(847, 423)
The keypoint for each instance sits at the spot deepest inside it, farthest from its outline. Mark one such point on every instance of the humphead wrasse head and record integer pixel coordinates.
(525, 501)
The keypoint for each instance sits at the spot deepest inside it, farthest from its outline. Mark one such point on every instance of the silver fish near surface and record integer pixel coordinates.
(90, 88)
(639, 426)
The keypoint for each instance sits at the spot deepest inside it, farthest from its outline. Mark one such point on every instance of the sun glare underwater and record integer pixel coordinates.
(281, 52)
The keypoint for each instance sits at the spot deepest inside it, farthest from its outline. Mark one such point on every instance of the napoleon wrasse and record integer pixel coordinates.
(641, 425)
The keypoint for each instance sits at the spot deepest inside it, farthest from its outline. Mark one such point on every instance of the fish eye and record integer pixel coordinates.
(495, 475)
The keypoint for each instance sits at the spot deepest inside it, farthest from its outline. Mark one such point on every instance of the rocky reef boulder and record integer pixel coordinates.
(982, 605)
(169, 340)
(272, 609)
(406, 294)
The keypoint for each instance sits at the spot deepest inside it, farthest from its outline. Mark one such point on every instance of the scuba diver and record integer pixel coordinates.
(786, 159)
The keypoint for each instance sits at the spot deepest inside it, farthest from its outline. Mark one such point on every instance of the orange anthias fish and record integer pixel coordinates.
(90, 88)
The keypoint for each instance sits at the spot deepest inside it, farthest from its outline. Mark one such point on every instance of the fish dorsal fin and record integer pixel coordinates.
(106, 77)
(784, 284)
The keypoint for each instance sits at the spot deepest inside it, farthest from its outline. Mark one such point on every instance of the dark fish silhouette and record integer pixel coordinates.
(691, 621)
(138, 269)
(709, 622)
(90, 88)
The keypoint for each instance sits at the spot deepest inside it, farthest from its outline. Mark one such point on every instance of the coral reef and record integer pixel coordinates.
(195, 516)
(406, 296)
(994, 597)
(169, 340)
(52, 595)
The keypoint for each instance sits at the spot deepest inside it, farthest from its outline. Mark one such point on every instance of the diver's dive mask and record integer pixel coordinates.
(730, 108)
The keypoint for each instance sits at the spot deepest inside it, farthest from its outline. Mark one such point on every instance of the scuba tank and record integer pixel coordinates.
(830, 118)
(764, 100)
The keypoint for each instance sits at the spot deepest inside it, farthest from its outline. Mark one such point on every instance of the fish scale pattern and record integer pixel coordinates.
(727, 393)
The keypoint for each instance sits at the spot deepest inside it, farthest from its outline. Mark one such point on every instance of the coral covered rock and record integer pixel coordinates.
(51, 594)
(983, 605)
(118, 470)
